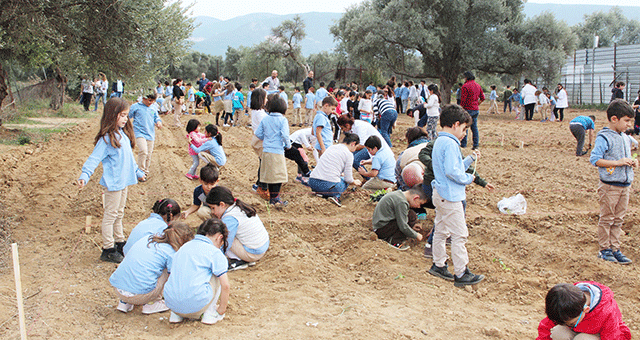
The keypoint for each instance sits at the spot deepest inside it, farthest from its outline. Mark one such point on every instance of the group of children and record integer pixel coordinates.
(529, 99)
(198, 286)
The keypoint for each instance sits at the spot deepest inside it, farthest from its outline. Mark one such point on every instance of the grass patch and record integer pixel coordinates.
(598, 107)
(29, 135)
(74, 110)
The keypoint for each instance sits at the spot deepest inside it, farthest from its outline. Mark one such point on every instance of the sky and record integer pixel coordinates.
(227, 9)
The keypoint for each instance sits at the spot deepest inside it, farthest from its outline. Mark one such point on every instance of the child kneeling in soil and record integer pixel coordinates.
(448, 197)
(612, 155)
(198, 277)
(585, 311)
(211, 152)
(393, 221)
(208, 179)
(140, 278)
(248, 239)
(164, 212)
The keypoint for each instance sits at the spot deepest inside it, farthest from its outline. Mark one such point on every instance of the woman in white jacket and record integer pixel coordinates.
(562, 102)
(528, 94)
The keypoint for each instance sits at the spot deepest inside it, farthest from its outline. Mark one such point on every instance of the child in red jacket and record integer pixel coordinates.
(585, 311)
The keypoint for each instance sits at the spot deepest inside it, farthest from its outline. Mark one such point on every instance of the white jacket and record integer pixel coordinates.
(528, 94)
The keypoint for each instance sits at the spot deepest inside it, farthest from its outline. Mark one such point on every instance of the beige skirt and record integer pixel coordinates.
(228, 105)
(218, 106)
(273, 168)
(256, 145)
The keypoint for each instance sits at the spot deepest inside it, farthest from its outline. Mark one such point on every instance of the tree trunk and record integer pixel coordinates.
(59, 86)
(445, 92)
(3, 85)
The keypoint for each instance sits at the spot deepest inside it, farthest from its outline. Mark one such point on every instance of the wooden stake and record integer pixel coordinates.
(16, 271)
(521, 144)
(87, 225)
(502, 140)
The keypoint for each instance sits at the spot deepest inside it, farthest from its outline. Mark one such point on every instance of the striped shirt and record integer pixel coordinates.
(381, 105)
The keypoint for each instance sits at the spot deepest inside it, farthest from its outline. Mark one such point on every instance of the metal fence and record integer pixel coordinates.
(589, 75)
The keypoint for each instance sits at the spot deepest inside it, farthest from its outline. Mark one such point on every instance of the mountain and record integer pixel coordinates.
(212, 36)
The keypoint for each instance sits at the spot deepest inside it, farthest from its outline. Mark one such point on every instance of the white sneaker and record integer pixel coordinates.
(210, 318)
(124, 307)
(175, 318)
(156, 307)
(225, 125)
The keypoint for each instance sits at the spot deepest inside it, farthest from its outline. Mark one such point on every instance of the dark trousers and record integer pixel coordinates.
(578, 131)
(398, 105)
(85, 100)
(528, 109)
(557, 111)
(507, 102)
(294, 154)
(392, 233)
(336, 127)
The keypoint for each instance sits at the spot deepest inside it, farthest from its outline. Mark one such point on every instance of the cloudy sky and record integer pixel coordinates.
(227, 9)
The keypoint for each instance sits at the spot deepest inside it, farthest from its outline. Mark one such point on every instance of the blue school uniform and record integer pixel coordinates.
(138, 273)
(153, 225)
(144, 120)
(297, 99)
(273, 131)
(384, 161)
(192, 95)
(188, 289)
(321, 94)
(214, 149)
(309, 100)
(238, 100)
(119, 168)
(449, 169)
(321, 119)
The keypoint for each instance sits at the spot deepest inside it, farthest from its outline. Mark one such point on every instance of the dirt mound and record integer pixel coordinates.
(323, 276)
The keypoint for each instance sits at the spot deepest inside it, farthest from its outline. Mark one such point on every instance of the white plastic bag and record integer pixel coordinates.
(515, 205)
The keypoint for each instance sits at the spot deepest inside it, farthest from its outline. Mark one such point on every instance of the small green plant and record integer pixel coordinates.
(23, 140)
(504, 266)
(400, 276)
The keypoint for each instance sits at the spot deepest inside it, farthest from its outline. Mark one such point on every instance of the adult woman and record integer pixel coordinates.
(178, 100)
(102, 85)
(562, 102)
(529, 97)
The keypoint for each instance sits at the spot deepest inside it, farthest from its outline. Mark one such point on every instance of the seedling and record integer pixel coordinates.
(504, 266)
(400, 276)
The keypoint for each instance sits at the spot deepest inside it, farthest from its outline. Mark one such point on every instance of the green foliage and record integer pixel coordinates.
(610, 27)
(23, 140)
(194, 64)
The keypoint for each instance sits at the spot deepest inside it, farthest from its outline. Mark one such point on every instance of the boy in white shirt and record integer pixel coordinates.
(191, 101)
(297, 107)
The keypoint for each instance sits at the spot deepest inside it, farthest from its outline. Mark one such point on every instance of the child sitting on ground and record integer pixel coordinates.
(208, 179)
(196, 138)
(164, 212)
(393, 221)
(586, 311)
(382, 173)
(448, 197)
(140, 278)
(211, 152)
(612, 155)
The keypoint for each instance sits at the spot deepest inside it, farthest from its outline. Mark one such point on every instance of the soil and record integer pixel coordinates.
(323, 276)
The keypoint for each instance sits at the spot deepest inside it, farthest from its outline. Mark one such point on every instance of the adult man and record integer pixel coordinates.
(145, 120)
(202, 82)
(273, 81)
(471, 96)
(308, 82)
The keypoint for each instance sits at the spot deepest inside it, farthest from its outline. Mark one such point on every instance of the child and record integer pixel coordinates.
(636, 107)
(227, 102)
(586, 310)
(578, 126)
(321, 127)
(140, 278)
(302, 140)
(543, 105)
(191, 99)
(209, 175)
(506, 98)
(552, 107)
(248, 239)
(493, 105)
(365, 106)
(113, 147)
(321, 94)
(284, 96)
(198, 277)
(211, 152)
(252, 87)
(448, 196)
(164, 212)
(393, 221)
(352, 105)
(612, 155)
(633, 143)
(383, 164)
(515, 99)
(196, 138)
(618, 91)
(433, 111)
(218, 106)
(238, 106)
(309, 105)
(297, 107)
(274, 133)
(177, 101)
(333, 174)
(145, 119)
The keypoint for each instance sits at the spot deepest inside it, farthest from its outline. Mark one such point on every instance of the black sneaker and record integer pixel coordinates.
(237, 265)
(441, 272)
(468, 278)
(111, 255)
(621, 258)
(120, 247)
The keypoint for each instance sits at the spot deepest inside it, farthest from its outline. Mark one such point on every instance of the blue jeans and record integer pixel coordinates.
(328, 189)
(386, 124)
(104, 100)
(474, 130)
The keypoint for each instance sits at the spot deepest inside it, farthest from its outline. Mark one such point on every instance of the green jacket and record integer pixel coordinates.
(425, 158)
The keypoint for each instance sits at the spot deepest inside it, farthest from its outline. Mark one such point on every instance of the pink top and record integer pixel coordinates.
(197, 139)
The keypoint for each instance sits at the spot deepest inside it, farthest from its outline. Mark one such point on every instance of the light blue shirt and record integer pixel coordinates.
(285, 97)
(188, 289)
(153, 225)
(585, 121)
(309, 100)
(139, 272)
(273, 131)
(385, 162)
(228, 96)
(297, 99)
(144, 120)
(321, 93)
(493, 95)
(119, 168)
(397, 91)
(249, 99)
(321, 119)
(449, 169)
(371, 88)
(192, 95)
(214, 149)
(405, 93)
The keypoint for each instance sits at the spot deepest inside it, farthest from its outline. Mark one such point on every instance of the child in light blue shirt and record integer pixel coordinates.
(309, 105)
(297, 108)
(283, 95)
(164, 211)
(238, 106)
(383, 162)
(191, 99)
(321, 127)
(211, 152)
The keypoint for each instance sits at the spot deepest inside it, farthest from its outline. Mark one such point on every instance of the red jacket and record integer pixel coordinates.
(605, 319)
(469, 94)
